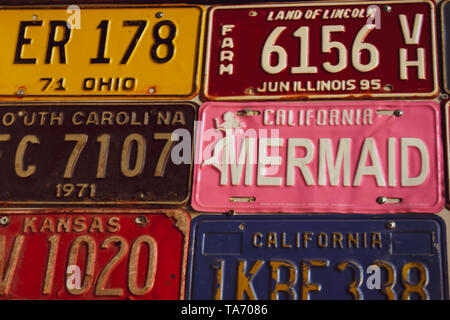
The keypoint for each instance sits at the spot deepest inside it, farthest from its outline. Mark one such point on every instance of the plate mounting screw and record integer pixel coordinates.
(398, 113)
(20, 92)
(151, 90)
(387, 8)
(381, 200)
(249, 91)
(390, 225)
(230, 212)
(141, 220)
(242, 226)
(253, 13)
(159, 15)
(4, 221)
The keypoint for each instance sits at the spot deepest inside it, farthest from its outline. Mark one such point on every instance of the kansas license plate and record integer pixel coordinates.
(114, 254)
(445, 27)
(108, 51)
(367, 157)
(317, 257)
(321, 50)
(95, 153)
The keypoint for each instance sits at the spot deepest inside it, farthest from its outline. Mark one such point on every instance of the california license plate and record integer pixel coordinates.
(447, 133)
(445, 30)
(70, 154)
(135, 254)
(367, 157)
(103, 51)
(318, 257)
(321, 50)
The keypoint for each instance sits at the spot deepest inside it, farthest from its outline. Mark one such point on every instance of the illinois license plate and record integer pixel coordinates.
(367, 157)
(321, 50)
(107, 51)
(113, 254)
(317, 257)
(95, 154)
(445, 27)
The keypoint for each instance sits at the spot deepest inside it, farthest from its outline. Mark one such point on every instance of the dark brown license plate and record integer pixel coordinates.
(95, 154)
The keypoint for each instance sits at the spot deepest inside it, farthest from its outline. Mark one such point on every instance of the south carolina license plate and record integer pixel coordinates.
(317, 257)
(367, 157)
(91, 153)
(321, 50)
(107, 51)
(111, 254)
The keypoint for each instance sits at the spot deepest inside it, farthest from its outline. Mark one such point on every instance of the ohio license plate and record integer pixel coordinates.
(445, 27)
(367, 157)
(95, 153)
(321, 50)
(317, 257)
(107, 51)
(135, 254)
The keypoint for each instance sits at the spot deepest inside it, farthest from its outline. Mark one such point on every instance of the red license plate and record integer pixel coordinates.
(321, 50)
(138, 254)
(359, 157)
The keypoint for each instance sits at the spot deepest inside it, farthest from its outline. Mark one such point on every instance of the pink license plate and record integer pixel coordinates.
(321, 50)
(447, 127)
(365, 157)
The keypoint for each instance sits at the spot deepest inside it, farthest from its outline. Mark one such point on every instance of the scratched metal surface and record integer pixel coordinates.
(444, 213)
(276, 249)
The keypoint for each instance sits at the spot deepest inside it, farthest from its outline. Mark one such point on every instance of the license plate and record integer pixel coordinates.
(71, 154)
(321, 50)
(104, 51)
(317, 257)
(447, 127)
(367, 157)
(445, 20)
(135, 254)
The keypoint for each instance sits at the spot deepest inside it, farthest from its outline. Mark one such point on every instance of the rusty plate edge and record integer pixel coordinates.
(179, 216)
(131, 103)
(207, 96)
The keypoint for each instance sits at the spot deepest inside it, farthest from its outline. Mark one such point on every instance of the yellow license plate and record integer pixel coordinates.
(100, 51)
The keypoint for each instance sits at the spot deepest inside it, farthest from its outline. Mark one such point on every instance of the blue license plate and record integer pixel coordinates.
(317, 257)
(445, 30)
